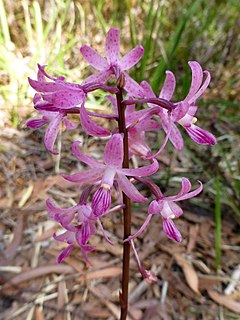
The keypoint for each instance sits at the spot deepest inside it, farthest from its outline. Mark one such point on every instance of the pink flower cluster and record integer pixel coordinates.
(56, 99)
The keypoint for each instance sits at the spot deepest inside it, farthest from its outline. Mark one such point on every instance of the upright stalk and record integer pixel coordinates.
(126, 202)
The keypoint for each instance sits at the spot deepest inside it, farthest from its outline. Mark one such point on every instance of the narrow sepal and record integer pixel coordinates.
(90, 126)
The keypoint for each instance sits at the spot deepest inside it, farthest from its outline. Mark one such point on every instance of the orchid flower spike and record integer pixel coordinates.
(108, 172)
(113, 65)
(167, 208)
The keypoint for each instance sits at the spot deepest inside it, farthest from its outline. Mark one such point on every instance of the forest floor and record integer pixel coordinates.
(34, 286)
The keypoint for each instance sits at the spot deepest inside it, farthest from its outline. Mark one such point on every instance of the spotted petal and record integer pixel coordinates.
(132, 87)
(132, 58)
(168, 86)
(148, 91)
(51, 133)
(202, 89)
(101, 76)
(93, 58)
(90, 126)
(197, 77)
(113, 153)
(113, 45)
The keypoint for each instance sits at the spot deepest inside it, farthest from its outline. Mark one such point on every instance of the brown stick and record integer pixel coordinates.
(127, 203)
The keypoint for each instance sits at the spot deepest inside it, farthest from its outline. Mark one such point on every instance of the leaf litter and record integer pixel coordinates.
(33, 286)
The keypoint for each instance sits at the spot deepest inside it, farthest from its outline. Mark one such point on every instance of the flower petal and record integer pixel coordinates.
(168, 86)
(69, 124)
(113, 153)
(113, 45)
(43, 86)
(90, 161)
(171, 230)
(101, 201)
(141, 172)
(101, 76)
(200, 136)
(202, 89)
(65, 253)
(36, 123)
(51, 133)
(132, 87)
(129, 189)
(186, 187)
(42, 73)
(175, 135)
(132, 58)
(143, 227)
(90, 126)
(54, 210)
(148, 91)
(155, 207)
(86, 176)
(93, 58)
(66, 99)
(113, 101)
(163, 144)
(104, 232)
(197, 77)
(181, 110)
(137, 144)
(147, 125)
(176, 210)
(192, 193)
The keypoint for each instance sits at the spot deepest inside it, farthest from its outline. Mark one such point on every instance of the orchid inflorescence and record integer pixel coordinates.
(58, 99)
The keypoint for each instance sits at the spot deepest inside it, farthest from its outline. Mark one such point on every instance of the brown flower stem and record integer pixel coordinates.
(126, 202)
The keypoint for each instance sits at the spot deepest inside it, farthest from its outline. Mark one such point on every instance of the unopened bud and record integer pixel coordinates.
(121, 81)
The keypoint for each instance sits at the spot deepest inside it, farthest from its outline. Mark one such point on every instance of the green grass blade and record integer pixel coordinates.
(131, 23)
(172, 45)
(39, 29)
(218, 223)
(4, 25)
(150, 25)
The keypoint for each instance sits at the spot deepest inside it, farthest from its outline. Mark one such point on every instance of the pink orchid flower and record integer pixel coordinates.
(184, 113)
(54, 119)
(79, 233)
(108, 172)
(113, 65)
(167, 208)
(57, 93)
(137, 123)
(56, 100)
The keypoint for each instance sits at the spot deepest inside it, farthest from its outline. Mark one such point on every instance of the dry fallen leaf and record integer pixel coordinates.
(38, 272)
(225, 301)
(38, 313)
(189, 272)
(103, 273)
